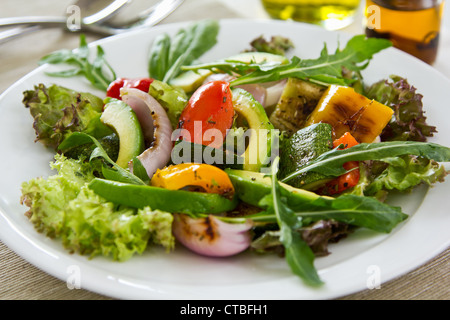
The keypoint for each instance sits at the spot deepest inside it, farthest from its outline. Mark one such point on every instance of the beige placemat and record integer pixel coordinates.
(21, 280)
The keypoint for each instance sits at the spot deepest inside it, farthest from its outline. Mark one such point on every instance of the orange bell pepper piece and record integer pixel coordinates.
(207, 177)
(349, 179)
(346, 139)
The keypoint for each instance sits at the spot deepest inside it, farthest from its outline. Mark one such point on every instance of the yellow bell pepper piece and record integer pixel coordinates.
(348, 111)
(208, 177)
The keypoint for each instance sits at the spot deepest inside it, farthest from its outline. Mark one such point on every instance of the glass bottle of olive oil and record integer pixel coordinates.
(413, 26)
(331, 14)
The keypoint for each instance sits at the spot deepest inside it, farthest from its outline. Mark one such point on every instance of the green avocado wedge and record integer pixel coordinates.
(251, 187)
(262, 133)
(123, 120)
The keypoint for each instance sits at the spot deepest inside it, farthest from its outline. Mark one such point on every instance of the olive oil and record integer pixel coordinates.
(331, 14)
(413, 26)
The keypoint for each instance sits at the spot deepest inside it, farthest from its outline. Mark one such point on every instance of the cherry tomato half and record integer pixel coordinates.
(142, 84)
(346, 181)
(210, 107)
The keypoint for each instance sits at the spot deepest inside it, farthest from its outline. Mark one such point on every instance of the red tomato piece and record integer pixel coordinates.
(210, 107)
(142, 84)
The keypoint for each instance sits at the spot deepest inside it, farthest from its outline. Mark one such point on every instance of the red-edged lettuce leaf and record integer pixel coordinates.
(409, 122)
(58, 111)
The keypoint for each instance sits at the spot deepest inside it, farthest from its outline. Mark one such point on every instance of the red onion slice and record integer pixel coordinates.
(210, 236)
(156, 127)
(274, 92)
(268, 94)
(257, 91)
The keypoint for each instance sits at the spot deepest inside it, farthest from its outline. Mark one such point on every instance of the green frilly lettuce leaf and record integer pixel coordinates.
(173, 100)
(398, 173)
(62, 206)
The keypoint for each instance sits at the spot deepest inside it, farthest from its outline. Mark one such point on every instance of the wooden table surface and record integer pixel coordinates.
(19, 280)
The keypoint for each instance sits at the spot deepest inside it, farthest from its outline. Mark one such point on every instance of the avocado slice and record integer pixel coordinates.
(251, 187)
(257, 154)
(302, 147)
(190, 80)
(123, 120)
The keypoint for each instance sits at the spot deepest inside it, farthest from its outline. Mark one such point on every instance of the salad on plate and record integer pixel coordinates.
(261, 151)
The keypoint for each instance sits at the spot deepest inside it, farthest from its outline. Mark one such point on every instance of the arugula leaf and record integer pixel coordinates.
(360, 211)
(139, 170)
(99, 73)
(352, 209)
(299, 255)
(327, 69)
(115, 173)
(318, 236)
(331, 162)
(168, 55)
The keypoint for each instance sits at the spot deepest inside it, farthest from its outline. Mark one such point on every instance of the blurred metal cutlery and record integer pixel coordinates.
(95, 23)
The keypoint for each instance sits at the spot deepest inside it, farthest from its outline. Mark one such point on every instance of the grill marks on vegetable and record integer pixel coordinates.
(206, 225)
(353, 121)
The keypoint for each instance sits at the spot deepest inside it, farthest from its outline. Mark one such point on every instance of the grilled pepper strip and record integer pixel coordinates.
(351, 178)
(176, 201)
(208, 177)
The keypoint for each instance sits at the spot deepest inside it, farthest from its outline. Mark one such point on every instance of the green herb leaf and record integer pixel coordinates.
(360, 211)
(352, 209)
(159, 55)
(327, 69)
(331, 162)
(168, 55)
(299, 255)
(116, 174)
(139, 170)
(99, 73)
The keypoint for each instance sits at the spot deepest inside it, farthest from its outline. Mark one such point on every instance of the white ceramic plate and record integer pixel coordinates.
(354, 262)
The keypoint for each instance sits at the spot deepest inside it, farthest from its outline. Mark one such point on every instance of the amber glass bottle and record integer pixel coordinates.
(412, 25)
